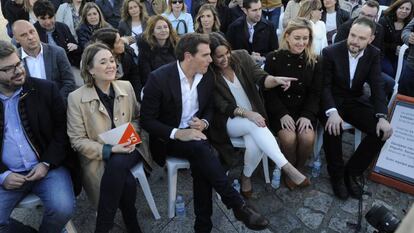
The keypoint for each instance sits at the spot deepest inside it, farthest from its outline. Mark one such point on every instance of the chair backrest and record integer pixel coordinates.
(403, 49)
(333, 38)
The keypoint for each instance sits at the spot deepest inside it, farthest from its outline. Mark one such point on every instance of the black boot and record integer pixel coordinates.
(251, 218)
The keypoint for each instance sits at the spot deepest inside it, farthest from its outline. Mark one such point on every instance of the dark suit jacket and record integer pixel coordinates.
(264, 37)
(337, 81)
(112, 14)
(343, 31)
(57, 68)
(43, 116)
(62, 36)
(161, 107)
(125, 28)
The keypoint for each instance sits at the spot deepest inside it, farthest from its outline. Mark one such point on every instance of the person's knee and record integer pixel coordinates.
(287, 138)
(117, 163)
(61, 210)
(307, 138)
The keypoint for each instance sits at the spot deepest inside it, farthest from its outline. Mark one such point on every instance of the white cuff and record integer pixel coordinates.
(329, 111)
(172, 134)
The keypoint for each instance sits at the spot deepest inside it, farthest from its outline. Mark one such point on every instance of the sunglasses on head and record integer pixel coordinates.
(175, 2)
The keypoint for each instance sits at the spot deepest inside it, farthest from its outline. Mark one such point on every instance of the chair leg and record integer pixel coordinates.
(266, 168)
(70, 227)
(358, 138)
(147, 192)
(172, 189)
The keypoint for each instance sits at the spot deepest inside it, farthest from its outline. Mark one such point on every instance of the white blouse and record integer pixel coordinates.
(319, 37)
(238, 93)
(179, 26)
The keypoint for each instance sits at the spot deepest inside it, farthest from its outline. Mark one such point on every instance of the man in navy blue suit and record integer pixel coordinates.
(176, 110)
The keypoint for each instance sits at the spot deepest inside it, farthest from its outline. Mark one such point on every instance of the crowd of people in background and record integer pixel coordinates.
(189, 75)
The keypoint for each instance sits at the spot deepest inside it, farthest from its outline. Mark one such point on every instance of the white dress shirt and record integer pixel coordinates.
(353, 63)
(189, 99)
(35, 65)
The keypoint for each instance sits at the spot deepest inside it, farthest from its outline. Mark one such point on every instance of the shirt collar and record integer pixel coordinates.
(358, 56)
(182, 75)
(24, 54)
(16, 93)
(250, 25)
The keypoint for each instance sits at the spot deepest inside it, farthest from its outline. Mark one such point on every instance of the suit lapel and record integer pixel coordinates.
(47, 60)
(345, 62)
(361, 63)
(174, 83)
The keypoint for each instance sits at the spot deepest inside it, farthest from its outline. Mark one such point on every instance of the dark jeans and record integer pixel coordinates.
(360, 114)
(207, 173)
(388, 66)
(118, 189)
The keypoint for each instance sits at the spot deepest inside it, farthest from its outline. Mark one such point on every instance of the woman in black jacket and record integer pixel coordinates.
(156, 45)
(92, 20)
(333, 16)
(292, 113)
(127, 67)
(394, 19)
(134, 18)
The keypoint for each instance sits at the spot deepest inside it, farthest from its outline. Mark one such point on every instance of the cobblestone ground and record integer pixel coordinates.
(313, 209)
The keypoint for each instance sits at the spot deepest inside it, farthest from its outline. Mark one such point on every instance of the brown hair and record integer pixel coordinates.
(143, 15)
(148, 34)
(189, 43)
(163, 6)
(391, 12)
(307, 7)
(197, 24)
(88, 56)
(88, 6)
(295, 24)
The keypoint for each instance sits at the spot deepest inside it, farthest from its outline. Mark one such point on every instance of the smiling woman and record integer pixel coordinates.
(293, 112)
(106, 168)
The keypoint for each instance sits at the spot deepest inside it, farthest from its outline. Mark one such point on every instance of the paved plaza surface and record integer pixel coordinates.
(313, 209)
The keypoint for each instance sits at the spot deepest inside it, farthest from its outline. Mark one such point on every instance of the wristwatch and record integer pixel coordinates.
(381, 115)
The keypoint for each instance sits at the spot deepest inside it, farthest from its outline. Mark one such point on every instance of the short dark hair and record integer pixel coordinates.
(6, 49)
(366, 22)
(106, 36)
(189, 43)
(43, 8)
(371, 3)
(247, 3)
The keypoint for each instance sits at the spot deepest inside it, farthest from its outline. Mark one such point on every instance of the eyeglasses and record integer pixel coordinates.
(12, 69)
(175, 2)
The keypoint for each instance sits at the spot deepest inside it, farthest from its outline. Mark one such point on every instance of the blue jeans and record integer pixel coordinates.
(56, 192)
(272, 16)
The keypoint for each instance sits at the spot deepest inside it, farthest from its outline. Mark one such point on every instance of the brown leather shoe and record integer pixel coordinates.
(251, 218)
(291, 185)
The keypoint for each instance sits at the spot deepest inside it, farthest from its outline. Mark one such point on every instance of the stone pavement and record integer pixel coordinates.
(313, 209)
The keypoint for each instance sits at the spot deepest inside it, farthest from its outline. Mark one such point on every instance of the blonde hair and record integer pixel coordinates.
(197, 24)
(296, 24)
(143, 15)
(159, 2)
(307, 7)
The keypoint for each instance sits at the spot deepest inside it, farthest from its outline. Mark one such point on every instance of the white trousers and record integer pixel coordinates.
(257, 140)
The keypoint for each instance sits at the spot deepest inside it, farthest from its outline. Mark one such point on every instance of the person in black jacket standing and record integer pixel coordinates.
(252, 32)
(55, 33)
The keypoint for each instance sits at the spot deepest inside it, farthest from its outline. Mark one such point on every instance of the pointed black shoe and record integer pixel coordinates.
(339, 188)
(354, 184)
(251, 218)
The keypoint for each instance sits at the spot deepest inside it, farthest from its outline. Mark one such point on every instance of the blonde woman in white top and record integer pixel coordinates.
(312, 10)
(177, 14)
